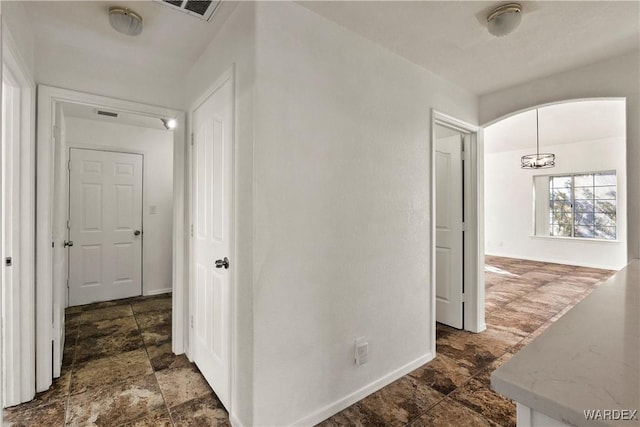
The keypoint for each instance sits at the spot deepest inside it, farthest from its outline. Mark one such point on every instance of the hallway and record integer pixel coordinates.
(119, 370)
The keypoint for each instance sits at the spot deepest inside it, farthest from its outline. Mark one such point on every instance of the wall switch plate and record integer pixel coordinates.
(361, 351)
(153, 209)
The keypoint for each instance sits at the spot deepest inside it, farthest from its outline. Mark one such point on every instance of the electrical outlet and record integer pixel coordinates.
(361, 351)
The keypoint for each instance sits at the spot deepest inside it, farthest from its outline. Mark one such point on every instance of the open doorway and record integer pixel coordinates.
(111, 214)
(553, 234)
(574, 213)
(457, 254)
(117, 216)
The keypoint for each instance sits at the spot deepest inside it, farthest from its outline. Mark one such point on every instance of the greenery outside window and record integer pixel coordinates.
(583, 205)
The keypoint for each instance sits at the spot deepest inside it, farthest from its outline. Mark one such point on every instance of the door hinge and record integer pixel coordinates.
(464, 226)
(67, 283)
(464, 297)
(68, 226)
(192, 321)
(69, 165)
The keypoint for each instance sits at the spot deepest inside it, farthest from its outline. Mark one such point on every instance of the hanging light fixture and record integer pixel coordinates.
(504, 19)
(125, 21)
(538, 160)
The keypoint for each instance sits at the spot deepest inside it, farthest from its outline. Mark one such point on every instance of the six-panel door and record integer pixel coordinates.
(212, 186)
(105, 211)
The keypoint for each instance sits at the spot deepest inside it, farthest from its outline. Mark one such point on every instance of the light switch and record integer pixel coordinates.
(152, 209)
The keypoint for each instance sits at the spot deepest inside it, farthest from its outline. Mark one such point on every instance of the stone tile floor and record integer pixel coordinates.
(118, 369)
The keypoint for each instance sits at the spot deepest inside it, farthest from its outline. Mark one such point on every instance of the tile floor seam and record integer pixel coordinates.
(153, 369)
(71, 371)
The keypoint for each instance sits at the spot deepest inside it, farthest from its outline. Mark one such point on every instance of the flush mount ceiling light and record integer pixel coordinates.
(125, 21)
(538, 160)
(504, 19)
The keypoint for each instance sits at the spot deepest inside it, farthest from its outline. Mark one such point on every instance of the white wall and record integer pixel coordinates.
(234, 46)
(616, 77)
(157, 147)
(509, 204)
(341, 213)
(16, 21)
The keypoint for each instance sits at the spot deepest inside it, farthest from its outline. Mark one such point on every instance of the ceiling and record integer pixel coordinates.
(171, 40)
(450, 37)
(558, 124)
(90, 113)
(446, 37)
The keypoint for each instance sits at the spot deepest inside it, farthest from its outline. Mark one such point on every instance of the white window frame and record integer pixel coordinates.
(573, 204)
(542, 212)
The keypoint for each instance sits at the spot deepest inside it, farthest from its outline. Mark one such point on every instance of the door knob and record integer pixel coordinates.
(136, 233)
(222, 263)
(68, 243)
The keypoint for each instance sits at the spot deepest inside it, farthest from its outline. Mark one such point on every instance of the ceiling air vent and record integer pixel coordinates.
(203, 9)
(106, 113)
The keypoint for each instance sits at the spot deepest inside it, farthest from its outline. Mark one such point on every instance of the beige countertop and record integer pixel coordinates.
(588, 360)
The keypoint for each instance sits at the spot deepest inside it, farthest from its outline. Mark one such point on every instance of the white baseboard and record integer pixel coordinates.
(158, 292)
(337, 406)
(235, 421)
(481, 328)
(557, 261)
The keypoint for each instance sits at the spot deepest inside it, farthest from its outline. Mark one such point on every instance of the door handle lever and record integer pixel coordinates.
(68, 243)
(222, 263)
(136, 233)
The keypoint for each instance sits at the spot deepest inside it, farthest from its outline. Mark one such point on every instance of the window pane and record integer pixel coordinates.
(584, 231)
(561, 194)
(584, 219)
(605, 206)
(561, 181)
(605, 220)
(583, 193)
(558, 230)
(606, 233)
(561, 218)
(606, 192)
(583, 180)
(584, 206)
(605, 178)
(560, 206)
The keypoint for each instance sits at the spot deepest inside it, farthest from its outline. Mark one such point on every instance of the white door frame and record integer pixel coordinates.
(19, 366)
(234, 395)
(474, 222)
(48, 100)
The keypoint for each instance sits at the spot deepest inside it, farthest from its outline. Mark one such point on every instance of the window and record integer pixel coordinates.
(583, 205)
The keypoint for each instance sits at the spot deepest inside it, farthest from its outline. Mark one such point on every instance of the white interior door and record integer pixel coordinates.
(212, 186)
(105, 226)
(10, 243)
(449, 229)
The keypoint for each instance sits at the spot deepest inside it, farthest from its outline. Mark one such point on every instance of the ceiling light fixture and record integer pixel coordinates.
(125, 21)
(538, 160)
(504, 19)
(170, 124)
